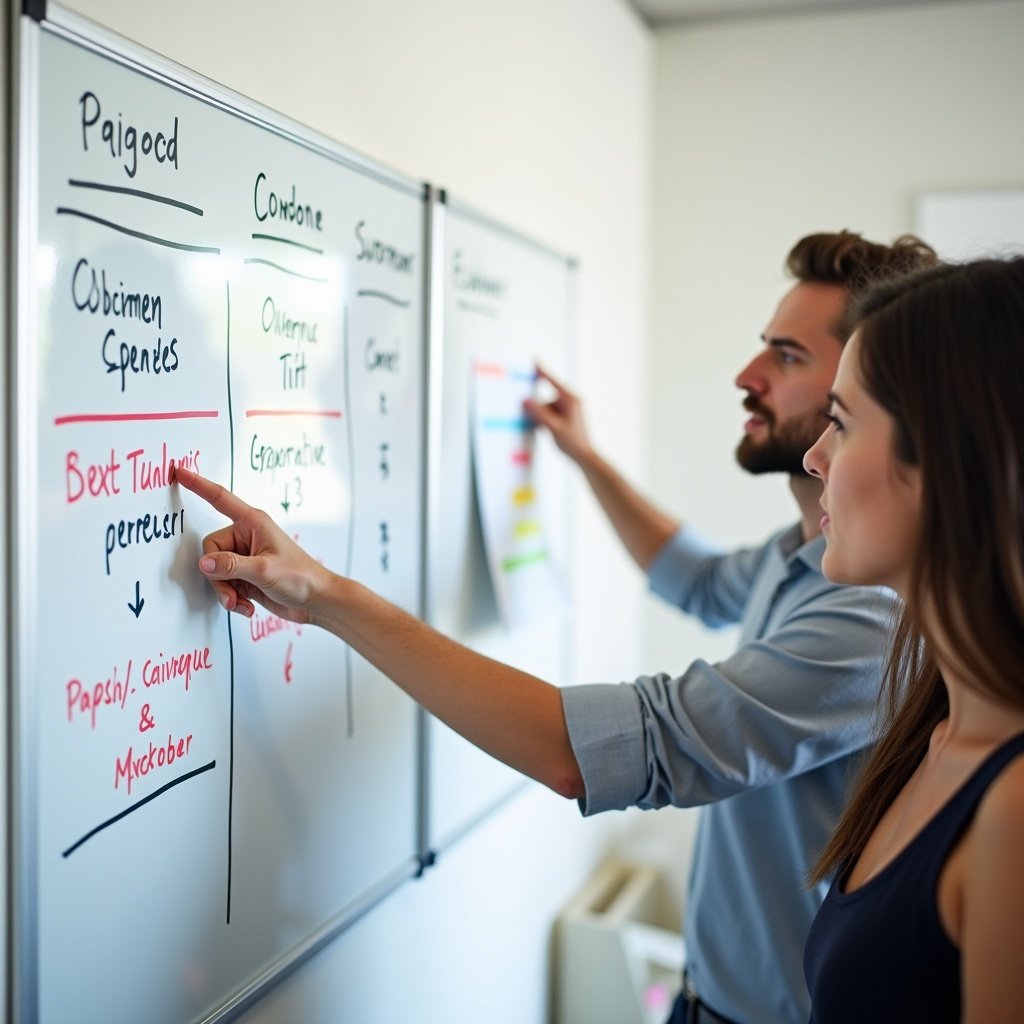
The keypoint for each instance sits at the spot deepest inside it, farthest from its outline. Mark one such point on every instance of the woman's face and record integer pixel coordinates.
(871, 499)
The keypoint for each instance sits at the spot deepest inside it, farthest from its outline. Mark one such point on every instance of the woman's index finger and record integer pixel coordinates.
(223, 500)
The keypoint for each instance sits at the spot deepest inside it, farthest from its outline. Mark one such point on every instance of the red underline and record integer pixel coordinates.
(332, 413)
(128, 417)
(490, 369)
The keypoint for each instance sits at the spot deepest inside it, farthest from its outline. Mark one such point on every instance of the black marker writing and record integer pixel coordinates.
(375, 251)
(268, 203)
(125, 140)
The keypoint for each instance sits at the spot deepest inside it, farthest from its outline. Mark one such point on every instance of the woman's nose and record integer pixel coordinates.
(815, 461)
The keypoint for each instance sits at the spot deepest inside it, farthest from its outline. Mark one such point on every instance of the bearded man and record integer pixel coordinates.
(765, 738)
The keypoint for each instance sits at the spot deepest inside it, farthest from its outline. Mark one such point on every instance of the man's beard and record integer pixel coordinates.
(784, 448)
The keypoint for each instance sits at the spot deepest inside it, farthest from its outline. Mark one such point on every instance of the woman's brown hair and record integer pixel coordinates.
(942, 351)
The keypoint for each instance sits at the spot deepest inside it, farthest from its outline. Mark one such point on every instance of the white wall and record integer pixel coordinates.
(767, 130)
(537, 112)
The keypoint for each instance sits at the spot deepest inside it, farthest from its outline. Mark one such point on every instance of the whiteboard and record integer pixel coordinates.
(201, 800)
(505, 298)
(968, 224)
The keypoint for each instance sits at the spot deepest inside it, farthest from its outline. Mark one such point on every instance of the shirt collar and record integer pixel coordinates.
(793, 549)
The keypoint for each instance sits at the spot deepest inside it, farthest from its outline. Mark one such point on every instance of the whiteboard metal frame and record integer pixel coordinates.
(23, 845)
(432, 404)
(435, 418)
(23, 897)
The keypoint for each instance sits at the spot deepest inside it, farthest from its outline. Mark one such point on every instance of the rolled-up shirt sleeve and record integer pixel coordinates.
(799, 696)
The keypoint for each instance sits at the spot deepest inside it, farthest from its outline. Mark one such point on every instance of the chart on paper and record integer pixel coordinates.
(510, 499)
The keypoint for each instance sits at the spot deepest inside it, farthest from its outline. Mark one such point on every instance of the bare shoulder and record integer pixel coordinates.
(991, 932)
(999, 823)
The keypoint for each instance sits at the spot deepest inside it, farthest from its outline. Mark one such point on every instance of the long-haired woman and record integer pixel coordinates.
(923, 467)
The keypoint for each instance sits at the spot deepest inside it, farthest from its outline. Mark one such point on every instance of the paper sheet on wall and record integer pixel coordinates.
(526, 585)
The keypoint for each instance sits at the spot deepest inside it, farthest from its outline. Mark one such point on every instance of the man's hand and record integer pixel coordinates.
(563, 417)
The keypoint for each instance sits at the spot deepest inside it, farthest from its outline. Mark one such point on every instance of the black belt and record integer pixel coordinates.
(701, 1013)
(698, 1012)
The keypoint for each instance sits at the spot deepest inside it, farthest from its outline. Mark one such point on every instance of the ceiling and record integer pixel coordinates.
(658, 13)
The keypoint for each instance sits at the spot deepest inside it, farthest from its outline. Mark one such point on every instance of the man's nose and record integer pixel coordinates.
(752, 378)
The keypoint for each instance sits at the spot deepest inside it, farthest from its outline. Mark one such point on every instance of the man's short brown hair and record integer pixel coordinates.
(846, 259)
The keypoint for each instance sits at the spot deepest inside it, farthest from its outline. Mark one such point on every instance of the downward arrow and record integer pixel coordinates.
(139, 602)
(286, 504)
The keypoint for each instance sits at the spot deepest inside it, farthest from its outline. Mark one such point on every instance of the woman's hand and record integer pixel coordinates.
(252, 560)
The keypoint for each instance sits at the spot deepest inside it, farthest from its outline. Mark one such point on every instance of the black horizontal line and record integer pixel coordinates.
(136, 192)
(288, 241)
(368, 293)
(285, 270)
(138, 234)
(134, 807)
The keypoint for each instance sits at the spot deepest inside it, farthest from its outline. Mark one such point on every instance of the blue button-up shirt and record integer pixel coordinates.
(769, 738)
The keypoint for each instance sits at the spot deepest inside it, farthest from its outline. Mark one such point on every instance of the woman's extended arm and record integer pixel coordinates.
(514, 716)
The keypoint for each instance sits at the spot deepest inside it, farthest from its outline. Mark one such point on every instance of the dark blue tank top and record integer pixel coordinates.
(880, 953)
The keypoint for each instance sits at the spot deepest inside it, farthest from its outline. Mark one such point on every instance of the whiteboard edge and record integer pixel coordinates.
(431, 541)
(23, 848)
